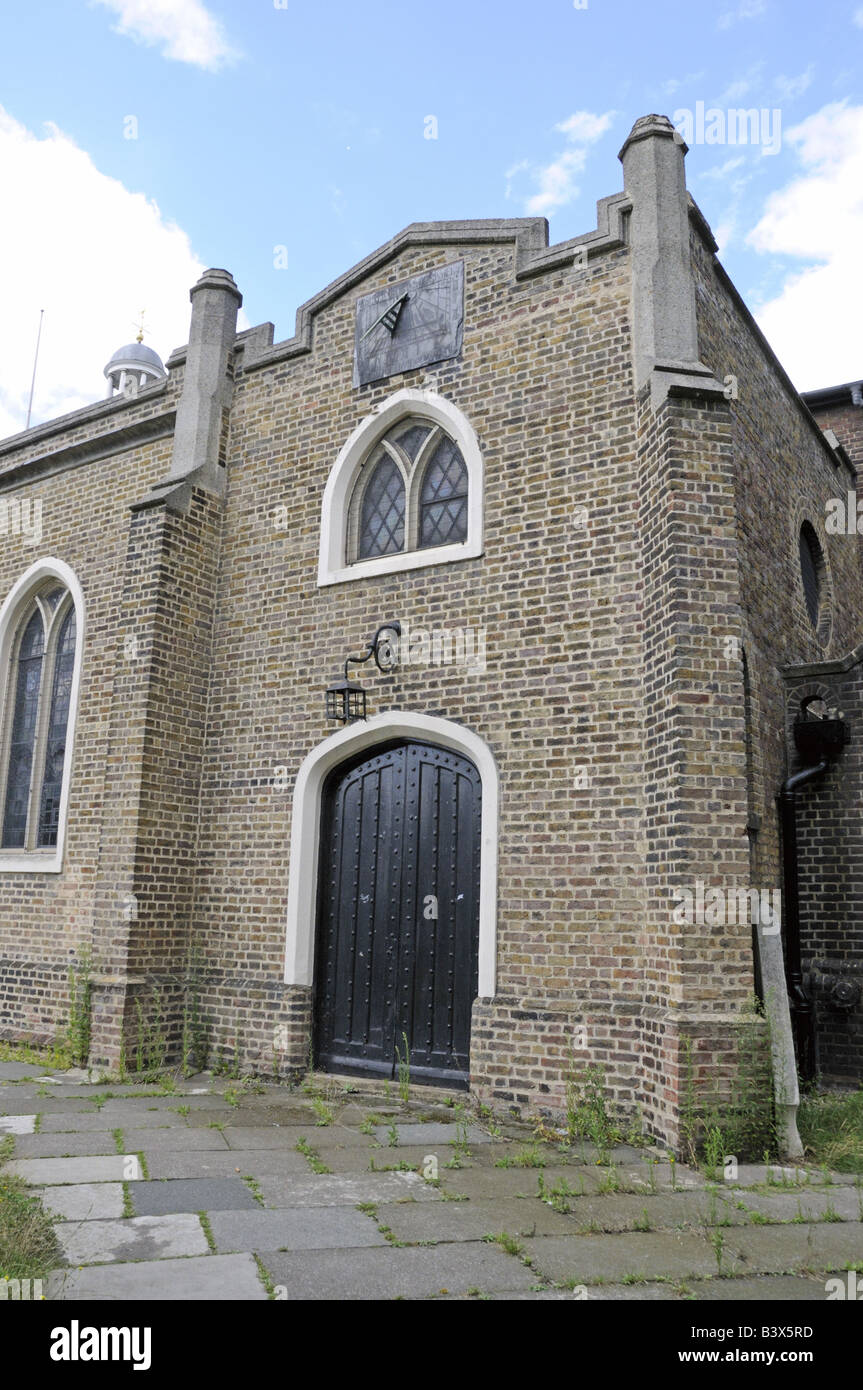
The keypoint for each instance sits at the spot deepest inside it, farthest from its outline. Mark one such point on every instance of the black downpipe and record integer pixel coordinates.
(802, 1012)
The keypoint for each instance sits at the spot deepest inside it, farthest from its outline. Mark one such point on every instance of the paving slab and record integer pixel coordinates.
(287, 1136)
(136, 1238)
(14, 1101)
(294, 1228)
(337, 1275)
(660, 1178)
(455, 1221)
(836, 1180)
(767, 1288)
(342, 1190)
(516, 1182)
(51, 1171)
(487, 1155)
(19, 1071)
(588, 1259)
(355, 1161)
(632, 1293)
(96, 1201)
(175, 1140)
(214, 1278)
(784, 1249)
(66, 1145)
(750, 1174)
(11, 1103)
(69, 1122)
(651, 1212)
(17, 1124)
(846, 1202)
(46, 1086)
(199, 1117)
(617, 1293)
(433, 1134)
(126, 1106)
(245, 1117)
(259, 1163)
(353, 1114)
(192, 1195)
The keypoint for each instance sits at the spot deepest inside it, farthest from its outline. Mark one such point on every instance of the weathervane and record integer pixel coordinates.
(140, 328)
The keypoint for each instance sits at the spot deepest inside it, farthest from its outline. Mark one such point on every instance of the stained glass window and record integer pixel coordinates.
(38, 701)
(55, 749)
(443, 504)
(382, 526)
(27, 684)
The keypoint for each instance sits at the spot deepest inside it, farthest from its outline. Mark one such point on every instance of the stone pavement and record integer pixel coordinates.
(224, 1189)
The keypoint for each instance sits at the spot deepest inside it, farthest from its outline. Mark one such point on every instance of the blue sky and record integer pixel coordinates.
(258, 125)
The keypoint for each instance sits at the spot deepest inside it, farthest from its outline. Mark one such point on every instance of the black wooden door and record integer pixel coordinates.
(398, 918)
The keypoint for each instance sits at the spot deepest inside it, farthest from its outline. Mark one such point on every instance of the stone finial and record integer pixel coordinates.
(207, 387)
(665, 332)
(217, 279)
(647, 126)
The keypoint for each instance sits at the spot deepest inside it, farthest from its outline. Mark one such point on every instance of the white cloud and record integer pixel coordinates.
(814, 322)
(673, 84)
(91, 254)
(556, 185)
(787, 88)
(722, 171)
(583, 127)
(858, 18)
(747, 9)
(186, 30)
(724, 233)
(742, 86)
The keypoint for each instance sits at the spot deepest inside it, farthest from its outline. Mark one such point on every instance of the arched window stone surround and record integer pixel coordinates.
(22, 591)
(335, 509)
(306, 829)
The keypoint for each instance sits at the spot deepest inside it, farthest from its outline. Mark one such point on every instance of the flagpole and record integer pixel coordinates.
(35, 360)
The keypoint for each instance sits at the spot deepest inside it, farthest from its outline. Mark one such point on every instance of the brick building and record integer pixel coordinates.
(580, 481)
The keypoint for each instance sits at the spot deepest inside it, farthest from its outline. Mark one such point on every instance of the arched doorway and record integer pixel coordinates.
(398, 912)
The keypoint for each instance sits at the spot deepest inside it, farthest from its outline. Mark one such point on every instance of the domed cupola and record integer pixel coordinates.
(132, 368)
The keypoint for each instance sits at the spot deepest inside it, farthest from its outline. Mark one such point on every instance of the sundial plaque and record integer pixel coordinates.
(409, 325)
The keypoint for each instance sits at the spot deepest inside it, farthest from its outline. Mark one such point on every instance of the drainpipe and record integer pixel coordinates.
(802, 1014)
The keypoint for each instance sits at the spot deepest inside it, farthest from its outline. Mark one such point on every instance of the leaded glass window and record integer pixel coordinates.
(28, 682)
(383, 523)
(55, 744)
(411, 494)
(34, 726)
(443, 504)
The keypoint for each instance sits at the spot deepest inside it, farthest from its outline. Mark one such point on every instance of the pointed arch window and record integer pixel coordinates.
(411, 493)
(405, 491)
(39, 637)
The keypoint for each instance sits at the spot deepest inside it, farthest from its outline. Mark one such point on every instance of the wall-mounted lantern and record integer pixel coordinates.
(346, 700)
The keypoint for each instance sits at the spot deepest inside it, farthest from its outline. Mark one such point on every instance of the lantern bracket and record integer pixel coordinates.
(384, 653)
